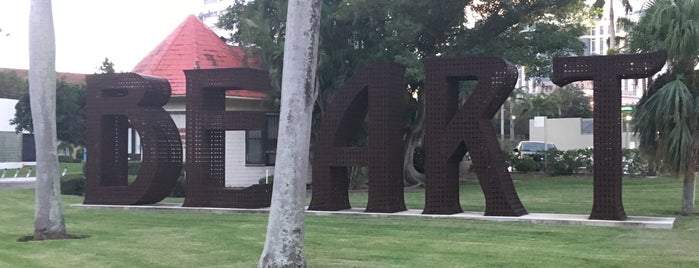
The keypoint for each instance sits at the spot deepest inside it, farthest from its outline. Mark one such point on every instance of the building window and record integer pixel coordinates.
(261, 146)
(592, 31)
(593, 47)
(587, 47)
(601, 30)
(587, 126)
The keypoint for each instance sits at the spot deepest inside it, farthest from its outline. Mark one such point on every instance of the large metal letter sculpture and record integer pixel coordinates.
(607, 72)
(379, 91)
(116, 102)
(207, 122)
(452, 131)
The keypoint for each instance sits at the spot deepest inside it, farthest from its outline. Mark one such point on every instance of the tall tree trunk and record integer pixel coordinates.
(411, 176)
(48, 216)
(688, 190)
(612, 27)
(689, 185)
(284, 241)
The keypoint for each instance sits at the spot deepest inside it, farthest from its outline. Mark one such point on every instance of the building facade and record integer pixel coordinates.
(192, 45)
(597, 43)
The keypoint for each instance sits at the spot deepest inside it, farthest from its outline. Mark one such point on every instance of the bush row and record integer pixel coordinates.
(556, 162)
(68, 159)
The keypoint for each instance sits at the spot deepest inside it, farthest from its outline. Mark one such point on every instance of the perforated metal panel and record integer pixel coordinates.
(607, 72)
(451, 132)
(379, 91)
(115, 102)
(207, 122)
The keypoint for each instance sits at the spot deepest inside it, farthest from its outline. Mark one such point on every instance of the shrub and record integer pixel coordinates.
(632, 162)
(68, 159)
(73, 184)
(268, 180)
(560, 162)
(525, 164)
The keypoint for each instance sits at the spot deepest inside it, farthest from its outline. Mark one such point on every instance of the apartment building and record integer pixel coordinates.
(597, 43)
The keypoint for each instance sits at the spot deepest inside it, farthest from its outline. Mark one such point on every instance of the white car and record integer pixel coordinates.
(533, 149)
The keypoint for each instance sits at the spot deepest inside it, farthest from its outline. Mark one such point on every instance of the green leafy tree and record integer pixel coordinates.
(12, 86)
(70, 114)
(666, 117)
(355, 33)
(568, 101)
(107, 66)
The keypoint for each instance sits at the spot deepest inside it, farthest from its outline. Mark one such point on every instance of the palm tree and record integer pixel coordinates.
(666, 118)
(612, 19)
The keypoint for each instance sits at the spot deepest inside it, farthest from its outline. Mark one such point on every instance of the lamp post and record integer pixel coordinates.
(512, 127)
(628, 118)
(502, 124)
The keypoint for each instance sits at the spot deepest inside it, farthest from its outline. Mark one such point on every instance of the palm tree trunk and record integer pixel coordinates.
(284, 240)
(612, 27)
(689, 185)
(688, 192)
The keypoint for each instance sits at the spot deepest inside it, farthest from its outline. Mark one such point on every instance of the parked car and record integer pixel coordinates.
(533, 149)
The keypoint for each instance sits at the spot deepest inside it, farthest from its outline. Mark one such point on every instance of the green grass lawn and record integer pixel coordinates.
(70, 168)
(185, 239)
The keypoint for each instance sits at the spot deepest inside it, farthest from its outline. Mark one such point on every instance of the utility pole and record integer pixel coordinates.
(512, 122)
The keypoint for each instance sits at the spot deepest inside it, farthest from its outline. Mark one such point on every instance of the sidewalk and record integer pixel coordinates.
(18, 183)
(548, 218)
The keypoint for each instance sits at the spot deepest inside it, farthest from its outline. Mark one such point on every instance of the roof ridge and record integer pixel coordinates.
(190, 43)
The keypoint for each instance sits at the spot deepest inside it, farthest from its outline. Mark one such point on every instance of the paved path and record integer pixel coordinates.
(632, 221)
(571, 219)
(17, 183)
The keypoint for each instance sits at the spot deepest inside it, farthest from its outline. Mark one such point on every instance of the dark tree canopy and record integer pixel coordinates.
(70, 113)
(357, 32)
(12, 86)
(107, 66)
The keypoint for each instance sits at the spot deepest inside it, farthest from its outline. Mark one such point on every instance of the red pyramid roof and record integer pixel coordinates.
(193, 44)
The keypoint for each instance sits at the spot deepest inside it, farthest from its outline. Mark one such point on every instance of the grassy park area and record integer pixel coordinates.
(30, 171)
(120, 238)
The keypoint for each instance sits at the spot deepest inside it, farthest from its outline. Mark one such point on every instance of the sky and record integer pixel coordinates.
(87, 31)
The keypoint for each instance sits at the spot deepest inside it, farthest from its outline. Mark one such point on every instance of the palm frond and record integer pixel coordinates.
(667, 119)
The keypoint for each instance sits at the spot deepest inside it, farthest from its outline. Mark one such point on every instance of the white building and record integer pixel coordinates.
(249, 156)
(597, 43)
(15, 148)
(574, 133)
(210, 11)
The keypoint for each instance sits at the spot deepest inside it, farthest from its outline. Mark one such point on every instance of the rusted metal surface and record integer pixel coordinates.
(115, 102)
(607, 72)
(375, 93)
(207, 123)
(452, 131)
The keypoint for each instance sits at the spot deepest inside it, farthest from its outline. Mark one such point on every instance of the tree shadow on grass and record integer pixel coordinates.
(30, 238)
